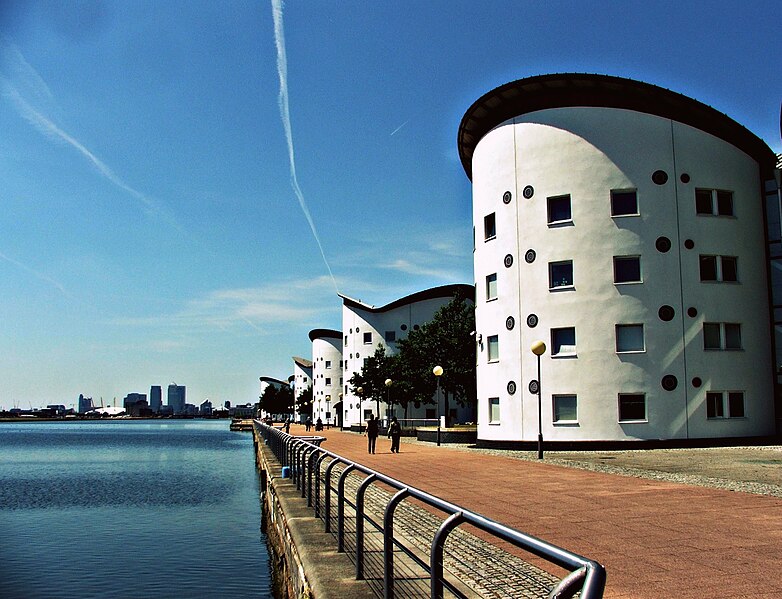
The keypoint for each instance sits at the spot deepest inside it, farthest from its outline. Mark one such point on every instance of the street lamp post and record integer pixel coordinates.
(360, 393)
(539, 348)
(389, 382)
(328, 412)
(340, 414)
(437, 371)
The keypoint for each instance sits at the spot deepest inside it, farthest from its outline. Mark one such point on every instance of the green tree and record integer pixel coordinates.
(276, 400)
(304, 402)
(372, 377)
(447, 340)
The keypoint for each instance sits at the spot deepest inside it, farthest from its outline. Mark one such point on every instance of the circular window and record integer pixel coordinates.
(511, 387)
(697, 382)
(666, 313)
(663, 244)
(534, 387)
(416, 327)
(403, 327)
(351, 331)
(660, 177)
(692, 312)
(508, 261)
(530, 256)
(669, 382)
(507, 197)
(356, 329)
(351, 356)
(689, 244)
(528, 191)
(510, 322)
(358, 355)
(685, 178)
(532, 321)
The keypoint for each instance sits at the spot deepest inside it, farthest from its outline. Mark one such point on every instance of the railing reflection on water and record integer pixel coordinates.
(305, 459)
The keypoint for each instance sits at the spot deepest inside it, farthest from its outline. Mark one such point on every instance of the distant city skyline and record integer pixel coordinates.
(150, 229)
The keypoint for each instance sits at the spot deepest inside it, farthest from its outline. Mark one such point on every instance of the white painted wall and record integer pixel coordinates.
(327, 382)
(587, 152)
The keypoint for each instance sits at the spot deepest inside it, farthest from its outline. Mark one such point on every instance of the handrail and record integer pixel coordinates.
(585, 575)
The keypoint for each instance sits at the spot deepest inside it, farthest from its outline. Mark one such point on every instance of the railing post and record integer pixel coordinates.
(327, 498)
(341, 508)
(362, 488)
(388, 543)
(317, 483)
(438, 548)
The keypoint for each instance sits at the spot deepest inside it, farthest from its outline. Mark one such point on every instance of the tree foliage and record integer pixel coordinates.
(446, 341)
(304, 402)
(277, 400)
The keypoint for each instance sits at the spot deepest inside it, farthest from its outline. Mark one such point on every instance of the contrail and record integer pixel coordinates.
(37, 274)
(398, 129)
(282, 71)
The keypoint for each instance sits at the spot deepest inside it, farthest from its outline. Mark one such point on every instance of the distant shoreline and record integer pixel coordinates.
(120, 419)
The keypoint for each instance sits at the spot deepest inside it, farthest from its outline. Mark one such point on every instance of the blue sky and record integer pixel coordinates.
(149, 232)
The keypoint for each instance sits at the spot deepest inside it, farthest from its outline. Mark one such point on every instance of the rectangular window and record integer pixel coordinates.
(489, 227)
(390, 336)
(630, 338)
(491, 287)
(367, 338)
(494, 410)
(565, 408)
(493, 347)
(632, 407)
(328, 381)
(724, 404)
(346, 340)
(328, 363)
(627, 269)
(717, 202)
(563, 341)
(719, 268)
(721, 335)
(559, 209)
(560, 274)
(431, 413)
(624, 203)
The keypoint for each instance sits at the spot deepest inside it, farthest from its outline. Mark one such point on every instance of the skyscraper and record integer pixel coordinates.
(155, 398)
(176, 398)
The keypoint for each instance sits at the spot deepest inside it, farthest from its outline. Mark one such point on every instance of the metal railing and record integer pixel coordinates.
(305, 460)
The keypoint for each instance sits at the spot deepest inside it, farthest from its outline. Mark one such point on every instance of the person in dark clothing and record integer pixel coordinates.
(318, 425)
(394, 433)
(288, 425)
(308, 424)
(371, 433)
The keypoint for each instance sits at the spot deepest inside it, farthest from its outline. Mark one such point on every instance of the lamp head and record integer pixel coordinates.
(538, 348)
(388, 382)
(437, 371)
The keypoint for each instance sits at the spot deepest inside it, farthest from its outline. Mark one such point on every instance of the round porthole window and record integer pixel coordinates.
(660, 177)
(510, 322)
(416, 327)
(697, 382)
(528, 192)
(666, 313)
(532, 321)
(669, 382)
(685, 178)
(663, 244)
(511, 387)
(403, 327)
(508, 261)
(530, 256)
(689, 244)
(534, 387)
(507, 197)
(692, 312)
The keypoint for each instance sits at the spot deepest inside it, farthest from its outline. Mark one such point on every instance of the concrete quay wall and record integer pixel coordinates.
(304, 560)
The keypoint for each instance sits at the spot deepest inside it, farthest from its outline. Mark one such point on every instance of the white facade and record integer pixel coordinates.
(592, 235)
(327, 375)
(302, 378)
(365, 327)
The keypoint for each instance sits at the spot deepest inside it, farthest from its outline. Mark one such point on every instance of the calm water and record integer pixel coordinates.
(130, 509)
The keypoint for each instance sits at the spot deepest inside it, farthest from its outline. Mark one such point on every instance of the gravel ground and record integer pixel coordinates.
(746, 469)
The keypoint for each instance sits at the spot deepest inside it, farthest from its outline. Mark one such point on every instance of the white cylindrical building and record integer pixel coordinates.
(326, 375)
(623, 225)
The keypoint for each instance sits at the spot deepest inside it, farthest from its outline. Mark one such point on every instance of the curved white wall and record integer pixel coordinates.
(326, 377)
(586, 153)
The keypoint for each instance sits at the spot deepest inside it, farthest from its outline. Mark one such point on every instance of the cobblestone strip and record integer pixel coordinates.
(483, 568)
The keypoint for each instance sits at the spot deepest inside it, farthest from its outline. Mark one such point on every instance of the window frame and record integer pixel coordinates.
(723, 408)
(389, 336)
(564, 286)
(369, 334)
(717, 199)
(490, 219)
(621, 396)
(556, 348)
(717, 263)
(494, 402)
(561, 396)
(627, 326)
(489, 297)
(552, 202)
(637, 259)
(726, 335)
(618, 192)
(490, 357)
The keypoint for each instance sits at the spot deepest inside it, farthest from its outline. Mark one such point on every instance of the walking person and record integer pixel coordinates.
(371, 433)
(288, 425)
(394, 433)
(308, 424)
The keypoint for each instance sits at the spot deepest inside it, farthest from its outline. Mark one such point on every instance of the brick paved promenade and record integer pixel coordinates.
(656, 539)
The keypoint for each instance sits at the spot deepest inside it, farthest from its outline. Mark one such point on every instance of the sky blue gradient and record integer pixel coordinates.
(149, 231)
